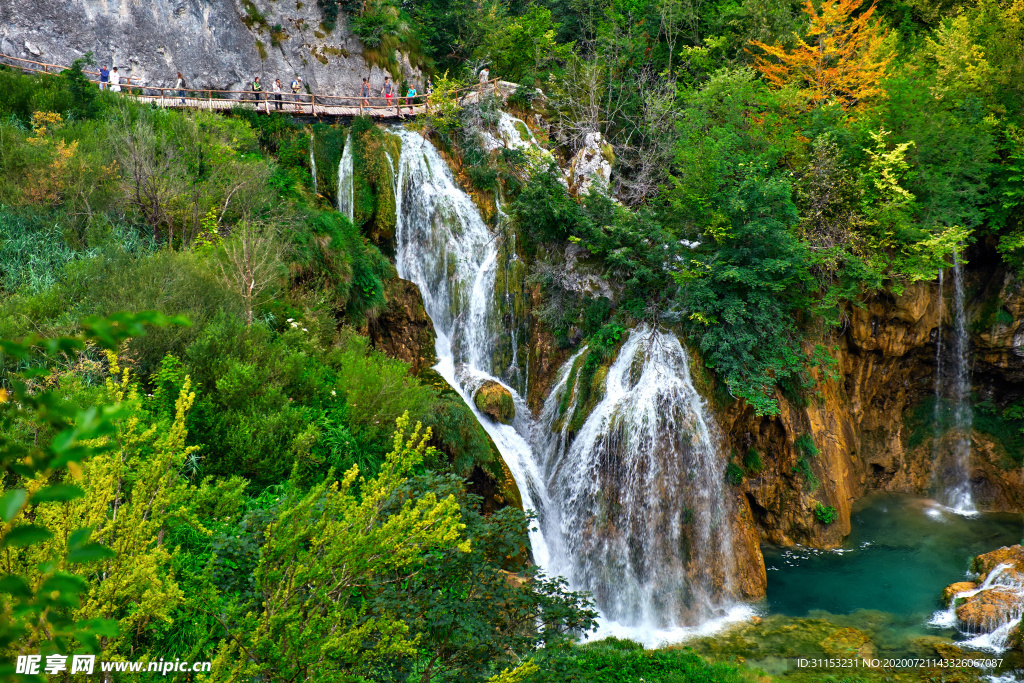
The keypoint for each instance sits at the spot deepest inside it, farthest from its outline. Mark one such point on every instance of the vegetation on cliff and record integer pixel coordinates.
(247, 481)
(775, 166)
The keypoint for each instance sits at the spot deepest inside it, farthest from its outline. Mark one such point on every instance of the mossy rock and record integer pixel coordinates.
(496, 401)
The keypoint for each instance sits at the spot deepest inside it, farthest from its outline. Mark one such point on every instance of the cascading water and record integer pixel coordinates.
(955, 477)
(346, 188)
(312, 165)
(446, 249)
(994, 633)
(632, 506)
(637, 498)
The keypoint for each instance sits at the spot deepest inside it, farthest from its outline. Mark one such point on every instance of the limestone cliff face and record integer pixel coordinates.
(219, 44)
(403, 329)
(860, 419)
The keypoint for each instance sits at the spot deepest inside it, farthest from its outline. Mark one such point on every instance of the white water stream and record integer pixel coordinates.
(953, 469)
(631, 507)
(346, 187)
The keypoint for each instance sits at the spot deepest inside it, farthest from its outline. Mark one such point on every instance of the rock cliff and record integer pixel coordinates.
(220, 44)
(870, 416)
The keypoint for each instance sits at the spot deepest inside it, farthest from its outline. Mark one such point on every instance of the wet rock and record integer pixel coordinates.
(999, 598)
(403, 329)
(496, 401)
(1012, 555)
(988, 610)
(950, 591)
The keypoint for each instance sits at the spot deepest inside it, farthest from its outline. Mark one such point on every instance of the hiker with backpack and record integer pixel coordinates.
(296, 86)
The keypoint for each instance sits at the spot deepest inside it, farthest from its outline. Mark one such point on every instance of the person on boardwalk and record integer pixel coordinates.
(485, 75)
(257, 91)
(430, 86)
(277, 94)
(179, 86)
(105, 77)
(115, 81)
(365, 93)
(296, 86)
(410, 97)
(388, 91)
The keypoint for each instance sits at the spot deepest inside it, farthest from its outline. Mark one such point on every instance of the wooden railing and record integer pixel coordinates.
(299, 103)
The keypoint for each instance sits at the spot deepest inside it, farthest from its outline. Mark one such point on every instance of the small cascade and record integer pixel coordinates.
(312, 166)
(346, 187)
(955, 477)
(638, 501)
(1004, 590)
(937, 412)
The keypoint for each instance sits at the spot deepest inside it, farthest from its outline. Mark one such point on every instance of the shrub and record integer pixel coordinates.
(734, 474)
(752, 461)
(826, 514)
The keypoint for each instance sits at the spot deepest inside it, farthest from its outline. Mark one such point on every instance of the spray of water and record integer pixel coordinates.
(312, 165)
(632, 506)
(638, 501)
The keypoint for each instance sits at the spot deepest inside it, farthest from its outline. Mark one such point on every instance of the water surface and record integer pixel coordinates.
(899, 556)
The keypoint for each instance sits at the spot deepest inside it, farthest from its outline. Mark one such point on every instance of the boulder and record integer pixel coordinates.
(1000, 602)
(986, 611)
(495, 401)
(950, 591)
(591, 167)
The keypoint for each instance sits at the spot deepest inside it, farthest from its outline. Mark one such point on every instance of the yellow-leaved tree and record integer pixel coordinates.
(325, 553)
(843, 57)
(132, 488)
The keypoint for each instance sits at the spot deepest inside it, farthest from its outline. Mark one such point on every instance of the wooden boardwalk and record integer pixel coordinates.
(300, 104)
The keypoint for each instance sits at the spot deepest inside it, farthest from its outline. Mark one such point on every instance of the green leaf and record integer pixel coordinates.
(64, 583)
(11, 503)
(57, 492)
(25, 535)
(90, 552)
(15, 585)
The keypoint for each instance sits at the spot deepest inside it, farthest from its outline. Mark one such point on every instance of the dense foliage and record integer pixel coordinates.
(263, 488)
(775, 166)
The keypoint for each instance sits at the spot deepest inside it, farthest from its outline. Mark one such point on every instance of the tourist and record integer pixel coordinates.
(296, 86)
(430, 86)
(387, 91)
(179, 86)
(105, 77)
(115, 81)
(365, 93)
(277, 94)
(257, 91)
(410, 97)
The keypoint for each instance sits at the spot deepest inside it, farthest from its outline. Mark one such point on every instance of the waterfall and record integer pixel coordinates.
(632, 507)
(937, 412)
(957, 480)
(444, 247)
(637, 498)
(999, 624)
(312, 165)
(346, 200)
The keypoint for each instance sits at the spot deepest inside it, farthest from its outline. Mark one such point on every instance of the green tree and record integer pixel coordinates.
(322, 553)
(40, 607)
